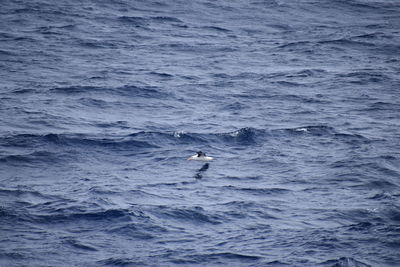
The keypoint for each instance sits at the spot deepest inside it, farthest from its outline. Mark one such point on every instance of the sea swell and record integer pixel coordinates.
(102, 102)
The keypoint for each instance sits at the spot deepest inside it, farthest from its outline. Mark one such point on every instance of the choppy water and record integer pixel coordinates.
(102, 101)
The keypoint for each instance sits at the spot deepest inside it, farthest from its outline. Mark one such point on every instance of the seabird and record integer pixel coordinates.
(200, 156)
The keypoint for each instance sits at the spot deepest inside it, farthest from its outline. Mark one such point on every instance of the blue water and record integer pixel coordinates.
(102, 101)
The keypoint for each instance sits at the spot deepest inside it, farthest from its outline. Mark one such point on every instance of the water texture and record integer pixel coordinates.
(102, 101)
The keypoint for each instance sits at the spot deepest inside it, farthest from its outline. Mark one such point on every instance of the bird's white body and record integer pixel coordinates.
(204, 158)
(200, 156)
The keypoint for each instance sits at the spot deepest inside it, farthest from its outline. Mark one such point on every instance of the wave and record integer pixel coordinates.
(71, 140)
(344, 262)
(23, 91)
(379, 171)
(164, 19)
(161, 74)
(235, 106)
(346, 42)
(215, 28)
(382, 106)
(19, 192)
(146, 23)
(72, 215)
(247, 209)
(363, 77)
(7, 53)
(246, 136)
(365, 6)
(201, 258)
(134, 20)
(321, 130)
(121, 262)
(243, 136)
(25, 197)
(195, 215)
(79, 245)
(393, 213)
(127, 90)
(296, 45)
(355, 43)
(259, 191)
(261, 94)
(143, 231)
(35, 157)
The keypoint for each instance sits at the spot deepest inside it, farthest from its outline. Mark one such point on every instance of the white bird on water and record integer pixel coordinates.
(201, 156)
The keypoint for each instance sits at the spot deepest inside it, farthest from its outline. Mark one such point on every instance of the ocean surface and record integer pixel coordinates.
(102, 102)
